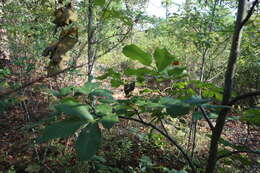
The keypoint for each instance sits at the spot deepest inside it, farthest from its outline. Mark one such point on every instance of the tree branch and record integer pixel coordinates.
(206, 117)
(249, 14)
(244, 96)
(116, 45)
(185, 155)
(100, 41)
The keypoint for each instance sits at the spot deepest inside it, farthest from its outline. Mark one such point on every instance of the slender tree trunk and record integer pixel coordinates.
(4, 48)
(242, 8)
(91, 51)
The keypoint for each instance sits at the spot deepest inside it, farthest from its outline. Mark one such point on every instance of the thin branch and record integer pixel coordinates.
(237, 152)
(116, 45)
(152, 120)
(249, 14)
(217, 75)
(100, 41)
(98, 26)
(206, 117)
(165, 130)
(185, 155)
(244, 96)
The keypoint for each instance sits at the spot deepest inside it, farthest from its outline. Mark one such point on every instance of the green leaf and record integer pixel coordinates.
(73, 108)
(110, 73)
(176, 71)
(116, 83)
(162, 59)
(116, 14)
(102, 93)
(216, 107)
(233, 118)
(67, 90)
(197, 115)
(226, 143)
(252, 116)
(68, 100)
(212, 115)
(135, 53)
(104, 109)
(197, 100)
(109, 120)
(104, 76)
(175, 107)
(88, 142)
(63, 91)
(88, 88)
(54, 93)
(61, 129)
(99, 2)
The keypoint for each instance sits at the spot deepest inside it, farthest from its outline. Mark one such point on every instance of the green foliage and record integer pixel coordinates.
(252, 116)
(62, 129)
(82, 117)
(135, 53)
(167, 84)
(88, 142)
(118, 14)
(73, 108)
(99, 2)
(162, 59)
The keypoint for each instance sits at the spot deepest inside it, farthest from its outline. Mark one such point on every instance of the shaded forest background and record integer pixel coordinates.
(102, 86)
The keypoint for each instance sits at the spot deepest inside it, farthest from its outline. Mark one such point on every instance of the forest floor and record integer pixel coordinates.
(125, 148)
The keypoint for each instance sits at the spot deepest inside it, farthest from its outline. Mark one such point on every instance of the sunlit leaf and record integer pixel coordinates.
(87, 88)
(162, 59)
(104, 109)
(135, 53)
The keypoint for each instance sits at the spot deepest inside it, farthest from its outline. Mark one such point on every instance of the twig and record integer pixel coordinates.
(116, 45)
(100, 41)
(98, 26)
(194, 138)
(185, 155)
(244, 96)
(165, 130)
(206, 118)
(140, 117)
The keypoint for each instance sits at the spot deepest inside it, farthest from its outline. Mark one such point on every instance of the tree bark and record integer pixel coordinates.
(4, 50)
(234, 52)
(91, 51)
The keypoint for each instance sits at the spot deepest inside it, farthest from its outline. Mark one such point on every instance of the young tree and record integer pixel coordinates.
(243, 14)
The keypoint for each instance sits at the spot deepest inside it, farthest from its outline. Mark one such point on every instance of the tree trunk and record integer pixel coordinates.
(4, 50)
(234, 52)
(91, 51)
